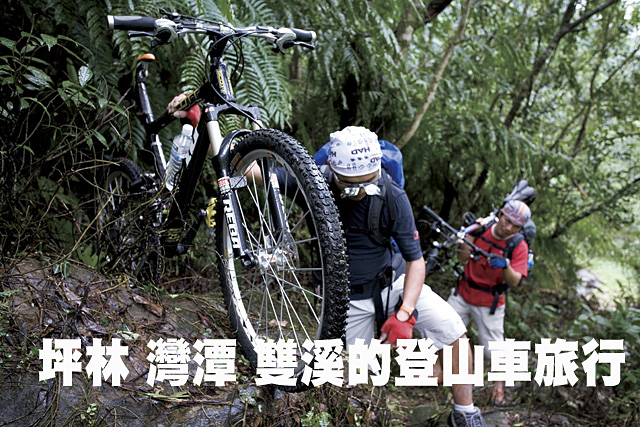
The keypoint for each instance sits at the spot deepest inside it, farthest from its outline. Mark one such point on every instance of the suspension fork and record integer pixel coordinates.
(274, 198)
(228, 185)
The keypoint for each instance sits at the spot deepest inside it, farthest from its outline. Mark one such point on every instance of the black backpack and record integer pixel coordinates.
(374, 213)
(381, 238)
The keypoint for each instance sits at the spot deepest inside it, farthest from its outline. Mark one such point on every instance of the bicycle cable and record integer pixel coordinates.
(235, 38)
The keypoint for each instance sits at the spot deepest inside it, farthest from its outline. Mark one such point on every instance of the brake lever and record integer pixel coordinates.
(288, 44)
(139, 34)
(171, 15)
(307, 45)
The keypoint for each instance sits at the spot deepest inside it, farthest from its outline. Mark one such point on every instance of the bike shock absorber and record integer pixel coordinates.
(231, 208)
(274, 197)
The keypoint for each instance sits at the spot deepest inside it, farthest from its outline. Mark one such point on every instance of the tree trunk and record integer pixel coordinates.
(433, 88)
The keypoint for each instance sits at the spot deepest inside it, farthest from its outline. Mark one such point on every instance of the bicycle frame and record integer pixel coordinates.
(217, 94)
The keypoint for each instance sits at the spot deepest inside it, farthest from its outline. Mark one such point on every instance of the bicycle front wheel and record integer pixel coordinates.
(297, 284)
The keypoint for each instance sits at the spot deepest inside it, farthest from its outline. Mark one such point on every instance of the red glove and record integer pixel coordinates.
(397, 329)
(193, 114)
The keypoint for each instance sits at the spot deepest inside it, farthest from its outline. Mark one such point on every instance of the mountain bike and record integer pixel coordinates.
(281, 254)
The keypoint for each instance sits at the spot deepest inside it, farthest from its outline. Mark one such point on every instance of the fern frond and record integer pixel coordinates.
(219, 10)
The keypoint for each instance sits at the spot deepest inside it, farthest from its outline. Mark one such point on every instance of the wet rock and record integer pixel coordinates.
(421, 416)
(588, 282)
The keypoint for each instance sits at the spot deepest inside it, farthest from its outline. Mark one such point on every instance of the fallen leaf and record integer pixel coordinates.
(154, 308)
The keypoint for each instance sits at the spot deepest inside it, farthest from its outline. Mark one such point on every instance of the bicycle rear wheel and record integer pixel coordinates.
(127, 239)
(297, 287)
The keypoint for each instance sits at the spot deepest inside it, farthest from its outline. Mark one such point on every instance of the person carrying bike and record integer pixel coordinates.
(479, 294)
(357, 180)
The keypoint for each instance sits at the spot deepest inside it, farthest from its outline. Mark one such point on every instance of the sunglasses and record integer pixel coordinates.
(351, 189)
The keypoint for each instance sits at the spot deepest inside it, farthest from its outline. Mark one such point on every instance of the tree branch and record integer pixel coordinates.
(433, 88)
(589, 14)
(434, 8)
(594, 94)
(566, 26)
(565, 129)
(405, 30)
(561, 229)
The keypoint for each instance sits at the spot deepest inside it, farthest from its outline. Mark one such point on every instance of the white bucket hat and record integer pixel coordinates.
(355, 151)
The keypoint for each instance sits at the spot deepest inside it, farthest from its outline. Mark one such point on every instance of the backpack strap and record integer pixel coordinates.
(382, 281)
(374, 213)
(513, 243)
(374, 232)
(496, 291)
(479, 231)
(507, 251)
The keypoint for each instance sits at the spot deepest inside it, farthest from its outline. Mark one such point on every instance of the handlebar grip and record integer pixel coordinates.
(131, 23)
(304, 36)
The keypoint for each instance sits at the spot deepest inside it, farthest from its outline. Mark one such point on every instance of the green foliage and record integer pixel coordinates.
(574, 135)
(313, 419)
(51, 121)
(534, 316)
(61, 89)
(623, 323)
(5, 326)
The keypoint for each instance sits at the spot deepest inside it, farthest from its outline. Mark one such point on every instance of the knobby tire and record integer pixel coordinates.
(299, 288)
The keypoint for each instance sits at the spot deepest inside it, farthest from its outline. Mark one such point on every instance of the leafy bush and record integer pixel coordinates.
(54, 119)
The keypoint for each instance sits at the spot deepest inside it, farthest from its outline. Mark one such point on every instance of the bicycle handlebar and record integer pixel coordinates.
(456, 235)
(304, 35)
(168, 29)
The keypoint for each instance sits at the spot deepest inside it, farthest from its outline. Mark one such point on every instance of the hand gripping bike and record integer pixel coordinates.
(281, 254)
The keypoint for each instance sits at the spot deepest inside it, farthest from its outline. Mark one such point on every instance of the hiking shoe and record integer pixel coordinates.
(464, 419)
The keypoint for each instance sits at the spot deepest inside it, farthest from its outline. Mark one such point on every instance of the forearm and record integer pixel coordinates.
(464, 253)
(413, 281)
(400, 324)
(253, 174)
(511, 277)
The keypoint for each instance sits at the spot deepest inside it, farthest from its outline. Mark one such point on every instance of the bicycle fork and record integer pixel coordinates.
(228, 185)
